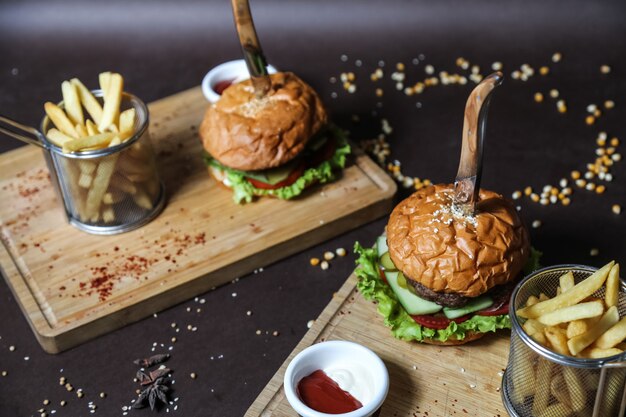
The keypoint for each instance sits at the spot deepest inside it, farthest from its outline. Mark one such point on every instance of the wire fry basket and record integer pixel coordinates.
(539, 382)
(110, 190)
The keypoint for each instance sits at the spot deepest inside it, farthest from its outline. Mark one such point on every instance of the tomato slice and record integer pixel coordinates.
(293, 176)
(500, 304)
(324, 153)
(438, 322)
(495, 310)
(381, 272)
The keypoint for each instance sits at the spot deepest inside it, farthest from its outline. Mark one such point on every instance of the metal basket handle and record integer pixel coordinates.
(28, 134)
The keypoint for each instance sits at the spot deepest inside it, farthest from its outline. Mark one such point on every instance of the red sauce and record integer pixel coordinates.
(322, 394)
(220, 86)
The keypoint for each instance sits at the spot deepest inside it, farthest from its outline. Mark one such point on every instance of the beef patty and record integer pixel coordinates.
(446, 300)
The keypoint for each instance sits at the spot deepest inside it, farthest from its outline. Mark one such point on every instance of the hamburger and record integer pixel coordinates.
(277, 145)
(441, 276)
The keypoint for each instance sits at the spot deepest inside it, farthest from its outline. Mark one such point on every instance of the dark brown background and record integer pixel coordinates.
(162, 47)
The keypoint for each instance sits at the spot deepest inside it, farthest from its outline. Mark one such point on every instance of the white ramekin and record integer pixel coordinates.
(235, 71)
(333, 353)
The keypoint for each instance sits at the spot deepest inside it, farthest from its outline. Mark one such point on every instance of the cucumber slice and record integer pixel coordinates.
(387, 263)
(475, 304)
(411, 302)
(381, 245)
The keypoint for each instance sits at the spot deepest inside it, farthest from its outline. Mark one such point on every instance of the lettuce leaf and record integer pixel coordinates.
(244, 191)
(402, 325)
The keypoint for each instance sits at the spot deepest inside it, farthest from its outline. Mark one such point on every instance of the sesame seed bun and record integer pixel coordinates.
(246, 133)
(450, 253)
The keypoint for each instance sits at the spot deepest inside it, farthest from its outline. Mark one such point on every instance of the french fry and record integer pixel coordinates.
(576, 294)
(60, 120)
(613, 336)
(559, 390)
(542, 396)
(91, 104)
(596, 353)
(523, 386)
(558, 409)
(540, 338)
(129, 165)
(142, 200)
(85, 180)
(112, 101)
(97, 141)
(116, 141)
(108, 215)
(111, 128)
(104, 78)
(566, 281)
(57, 137)
(122, 183)
(100, 185)
(532, 326)
(92, 129)
(86, 166)
(112, 197)
(558, 340)
(81, 130)
(532, 300)
(575, 312)
(611, 295)
(578, 327)
(71, 103)
(575, 388)
(127, 123)
(607, 321)
(543, 297)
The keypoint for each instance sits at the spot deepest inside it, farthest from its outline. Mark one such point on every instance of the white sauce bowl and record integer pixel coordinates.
(334, 355)
(234, 71)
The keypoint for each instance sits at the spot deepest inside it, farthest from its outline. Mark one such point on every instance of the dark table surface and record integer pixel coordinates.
(162, 47)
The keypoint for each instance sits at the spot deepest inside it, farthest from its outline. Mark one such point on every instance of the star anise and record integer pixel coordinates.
(156, 391)
(155, 382)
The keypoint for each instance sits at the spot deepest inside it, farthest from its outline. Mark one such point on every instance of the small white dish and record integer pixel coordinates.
(338, 354)
(231, 71)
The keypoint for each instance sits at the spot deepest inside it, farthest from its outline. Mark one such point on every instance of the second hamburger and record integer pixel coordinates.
(274, 146)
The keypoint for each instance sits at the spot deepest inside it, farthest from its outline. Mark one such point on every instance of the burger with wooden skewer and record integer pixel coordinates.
(270, 135)
(444, 271)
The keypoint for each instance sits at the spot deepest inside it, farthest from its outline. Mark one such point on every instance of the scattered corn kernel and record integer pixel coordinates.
(534, 197)
(589, 120)
(379, 92)
(400, 66)
(556, 57)
(536, 224)
(616, 208)
(324, 265)
(538, 97)
(193, 375)
(575, 175)
(328, 255)
(600, 189)
(554, 93)
(605, 69)
(314, 261)
(516, 195)
(609, 104)
(566, 201)
(544, 70)
(341, 252)
(594, 252)
(614, 142)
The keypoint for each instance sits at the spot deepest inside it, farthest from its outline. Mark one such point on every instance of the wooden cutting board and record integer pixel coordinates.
(73, 286)
(425, 380)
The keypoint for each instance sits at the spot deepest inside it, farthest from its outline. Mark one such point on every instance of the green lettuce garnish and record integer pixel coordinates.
(402, 325)
(244, 191)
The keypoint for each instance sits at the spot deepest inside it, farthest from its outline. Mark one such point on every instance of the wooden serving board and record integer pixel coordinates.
(73, 286)
(425, 380)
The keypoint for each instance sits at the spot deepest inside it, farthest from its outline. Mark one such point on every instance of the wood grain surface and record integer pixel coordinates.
(425, 380)
(73, 286)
